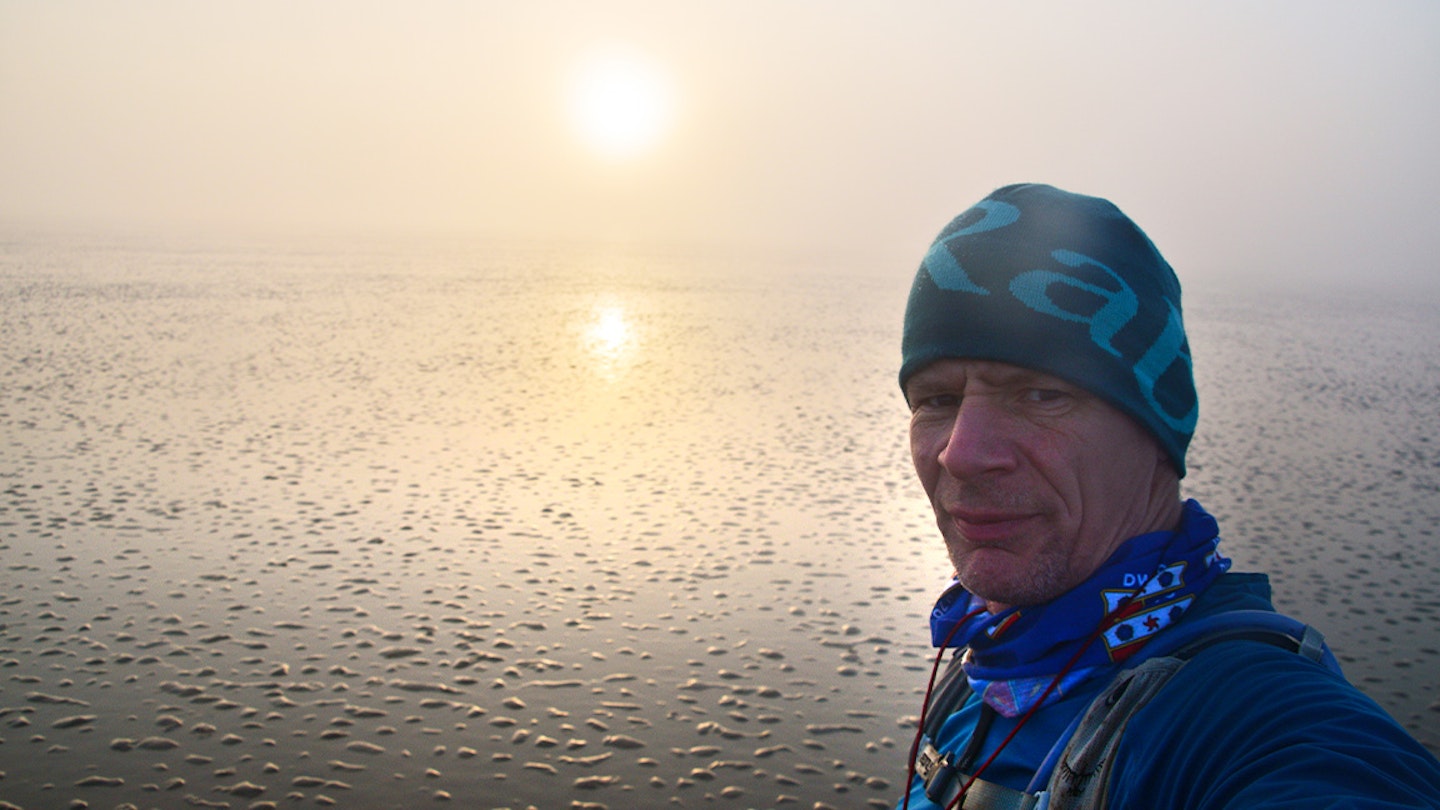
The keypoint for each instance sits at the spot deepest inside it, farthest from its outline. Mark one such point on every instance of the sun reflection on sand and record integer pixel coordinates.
(610, 339)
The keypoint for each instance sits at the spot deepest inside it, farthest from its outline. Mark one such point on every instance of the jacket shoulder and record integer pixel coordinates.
(1248, 724)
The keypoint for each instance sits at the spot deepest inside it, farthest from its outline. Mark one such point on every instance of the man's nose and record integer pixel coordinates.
(980, 440)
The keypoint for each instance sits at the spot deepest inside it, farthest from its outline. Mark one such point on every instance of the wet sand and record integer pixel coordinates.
(564, 528)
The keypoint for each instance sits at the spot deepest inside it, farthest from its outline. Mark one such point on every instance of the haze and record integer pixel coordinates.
(1276, 141)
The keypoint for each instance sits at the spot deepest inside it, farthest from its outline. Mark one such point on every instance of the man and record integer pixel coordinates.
(1052, 400)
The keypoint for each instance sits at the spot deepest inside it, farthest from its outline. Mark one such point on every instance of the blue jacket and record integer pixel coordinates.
(1243, 725)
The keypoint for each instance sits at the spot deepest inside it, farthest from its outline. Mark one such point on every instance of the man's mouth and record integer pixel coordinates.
(987, 526)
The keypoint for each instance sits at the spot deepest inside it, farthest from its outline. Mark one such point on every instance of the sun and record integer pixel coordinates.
(621, 104)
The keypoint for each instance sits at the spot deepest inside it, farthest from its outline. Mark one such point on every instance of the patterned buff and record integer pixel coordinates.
(1145, 586)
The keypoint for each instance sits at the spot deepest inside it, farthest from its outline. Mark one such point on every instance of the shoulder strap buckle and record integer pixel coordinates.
(935, 771)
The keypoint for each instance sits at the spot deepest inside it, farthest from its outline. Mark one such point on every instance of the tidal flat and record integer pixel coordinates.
(513, 526)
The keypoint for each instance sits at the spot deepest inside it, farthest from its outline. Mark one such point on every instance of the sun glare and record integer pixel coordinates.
(610, 331)
(610, 340)
(620, 103)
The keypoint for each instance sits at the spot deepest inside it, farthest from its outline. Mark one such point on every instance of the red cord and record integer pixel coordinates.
(925, 707)
(1054, 682)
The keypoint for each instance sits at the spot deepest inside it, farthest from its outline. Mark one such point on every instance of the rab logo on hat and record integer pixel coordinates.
(1032, 288)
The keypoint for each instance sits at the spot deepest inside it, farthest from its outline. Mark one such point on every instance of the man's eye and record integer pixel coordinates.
(1043, 396)
(937, 402)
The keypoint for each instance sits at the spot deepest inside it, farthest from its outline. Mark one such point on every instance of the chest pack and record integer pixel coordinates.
(1076, 773)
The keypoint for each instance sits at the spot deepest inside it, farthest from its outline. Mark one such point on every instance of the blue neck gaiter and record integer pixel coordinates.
(1144, 587)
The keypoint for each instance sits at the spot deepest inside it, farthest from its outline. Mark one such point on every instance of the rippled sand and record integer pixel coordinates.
(523, 527)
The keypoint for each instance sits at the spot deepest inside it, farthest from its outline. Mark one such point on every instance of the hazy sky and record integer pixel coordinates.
(1289, 139)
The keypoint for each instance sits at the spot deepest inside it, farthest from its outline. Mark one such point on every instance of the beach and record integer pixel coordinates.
(514, 525)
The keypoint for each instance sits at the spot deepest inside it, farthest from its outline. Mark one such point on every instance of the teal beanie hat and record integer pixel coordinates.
(1065, 284)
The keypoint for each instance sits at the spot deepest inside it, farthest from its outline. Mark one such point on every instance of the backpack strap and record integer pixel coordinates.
(1190, 637)
(939, 770)
(950, 696)
(1079, 778)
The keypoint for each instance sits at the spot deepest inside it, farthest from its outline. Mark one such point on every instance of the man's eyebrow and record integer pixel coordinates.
(1022, 376)
(931, 381)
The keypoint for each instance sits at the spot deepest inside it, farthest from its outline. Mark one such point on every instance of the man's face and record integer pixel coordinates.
(1034, 481)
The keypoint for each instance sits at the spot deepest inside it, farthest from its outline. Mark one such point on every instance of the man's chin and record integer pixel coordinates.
(1000, 578)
